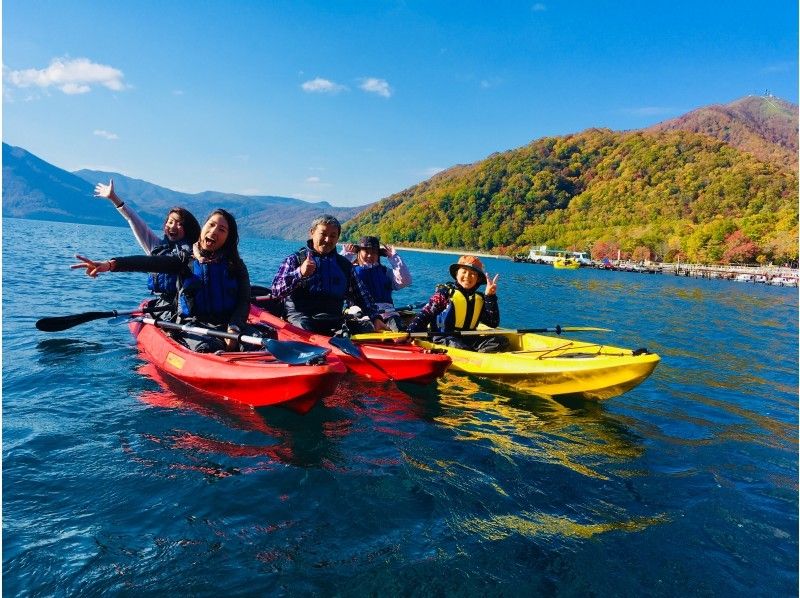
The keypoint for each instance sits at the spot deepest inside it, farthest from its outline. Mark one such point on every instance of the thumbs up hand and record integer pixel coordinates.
(308, 267)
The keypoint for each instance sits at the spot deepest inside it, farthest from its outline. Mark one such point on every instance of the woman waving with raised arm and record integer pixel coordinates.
(212, 280)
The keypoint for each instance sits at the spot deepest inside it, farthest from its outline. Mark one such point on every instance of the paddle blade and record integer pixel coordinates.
(58, 323)
(295, 352)
(346, 346)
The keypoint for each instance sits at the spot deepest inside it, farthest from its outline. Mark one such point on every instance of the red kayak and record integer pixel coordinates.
(380, 362)
(252, 378)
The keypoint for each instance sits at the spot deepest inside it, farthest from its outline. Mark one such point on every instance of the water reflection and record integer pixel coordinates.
(539, 525)
(571, 433)
(358, 412)
(284, 437)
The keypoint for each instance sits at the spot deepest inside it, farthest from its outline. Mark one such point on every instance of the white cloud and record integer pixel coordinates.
(70, 76)
(316, 182)
(105, 134)
(539, 7)
(320, 85)
(490, 82)
(377, 86)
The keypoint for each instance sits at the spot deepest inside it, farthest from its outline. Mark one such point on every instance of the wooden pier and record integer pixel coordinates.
(775, 275)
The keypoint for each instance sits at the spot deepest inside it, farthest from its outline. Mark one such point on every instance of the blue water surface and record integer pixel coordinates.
(117, 482)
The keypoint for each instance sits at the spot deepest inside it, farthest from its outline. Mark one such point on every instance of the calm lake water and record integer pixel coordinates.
(115, 483)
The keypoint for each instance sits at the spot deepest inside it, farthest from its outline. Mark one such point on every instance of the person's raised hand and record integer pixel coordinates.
(107, 192)
(93, 268)
(308, 267)
(389, 249)
(491, 284)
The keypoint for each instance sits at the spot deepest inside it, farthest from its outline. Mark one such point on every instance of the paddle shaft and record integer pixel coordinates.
(291, 352)
(250, 340)
(58, 323)
(243, 338)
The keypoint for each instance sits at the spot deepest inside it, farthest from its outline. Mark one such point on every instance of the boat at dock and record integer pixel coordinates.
(566, 263)
(543, 255)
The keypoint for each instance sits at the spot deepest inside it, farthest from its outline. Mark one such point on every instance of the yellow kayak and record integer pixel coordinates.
(566, 264)
(555, 366)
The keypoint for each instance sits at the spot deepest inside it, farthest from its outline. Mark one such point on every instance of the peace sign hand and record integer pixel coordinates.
(92, 267)
(491, 284)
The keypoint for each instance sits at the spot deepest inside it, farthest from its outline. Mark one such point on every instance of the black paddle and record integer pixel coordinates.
(291, 352)
(347, 346)
(58, 323)
(411, 306)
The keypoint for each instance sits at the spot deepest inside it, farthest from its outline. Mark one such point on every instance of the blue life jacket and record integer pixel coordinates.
(325, 291)
(163, 284)
(377, 280)
(209, 293)
(463, 312)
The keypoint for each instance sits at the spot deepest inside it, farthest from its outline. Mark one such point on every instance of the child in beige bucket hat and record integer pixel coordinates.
(460, 306)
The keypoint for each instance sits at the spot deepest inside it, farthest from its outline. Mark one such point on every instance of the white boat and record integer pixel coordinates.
(543, 255)
(781, 281)
(743, 278)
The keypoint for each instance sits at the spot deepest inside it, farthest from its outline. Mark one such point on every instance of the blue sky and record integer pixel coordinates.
(350, 102)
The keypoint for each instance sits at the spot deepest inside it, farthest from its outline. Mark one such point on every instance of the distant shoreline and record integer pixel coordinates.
(452, 252)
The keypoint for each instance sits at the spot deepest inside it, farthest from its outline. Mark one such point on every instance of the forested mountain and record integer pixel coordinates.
(33, 188)
(651, 194)
(764, 126)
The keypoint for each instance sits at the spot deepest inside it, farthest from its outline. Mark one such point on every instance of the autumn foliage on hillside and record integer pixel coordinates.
(667, 195)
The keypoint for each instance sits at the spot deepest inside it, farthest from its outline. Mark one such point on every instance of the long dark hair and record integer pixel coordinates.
(231, 247)
(191, 228)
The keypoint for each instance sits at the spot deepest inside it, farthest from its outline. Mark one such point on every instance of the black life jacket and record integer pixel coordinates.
(325, 290)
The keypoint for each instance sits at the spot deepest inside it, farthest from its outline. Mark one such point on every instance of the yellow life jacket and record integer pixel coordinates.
(462, 313)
